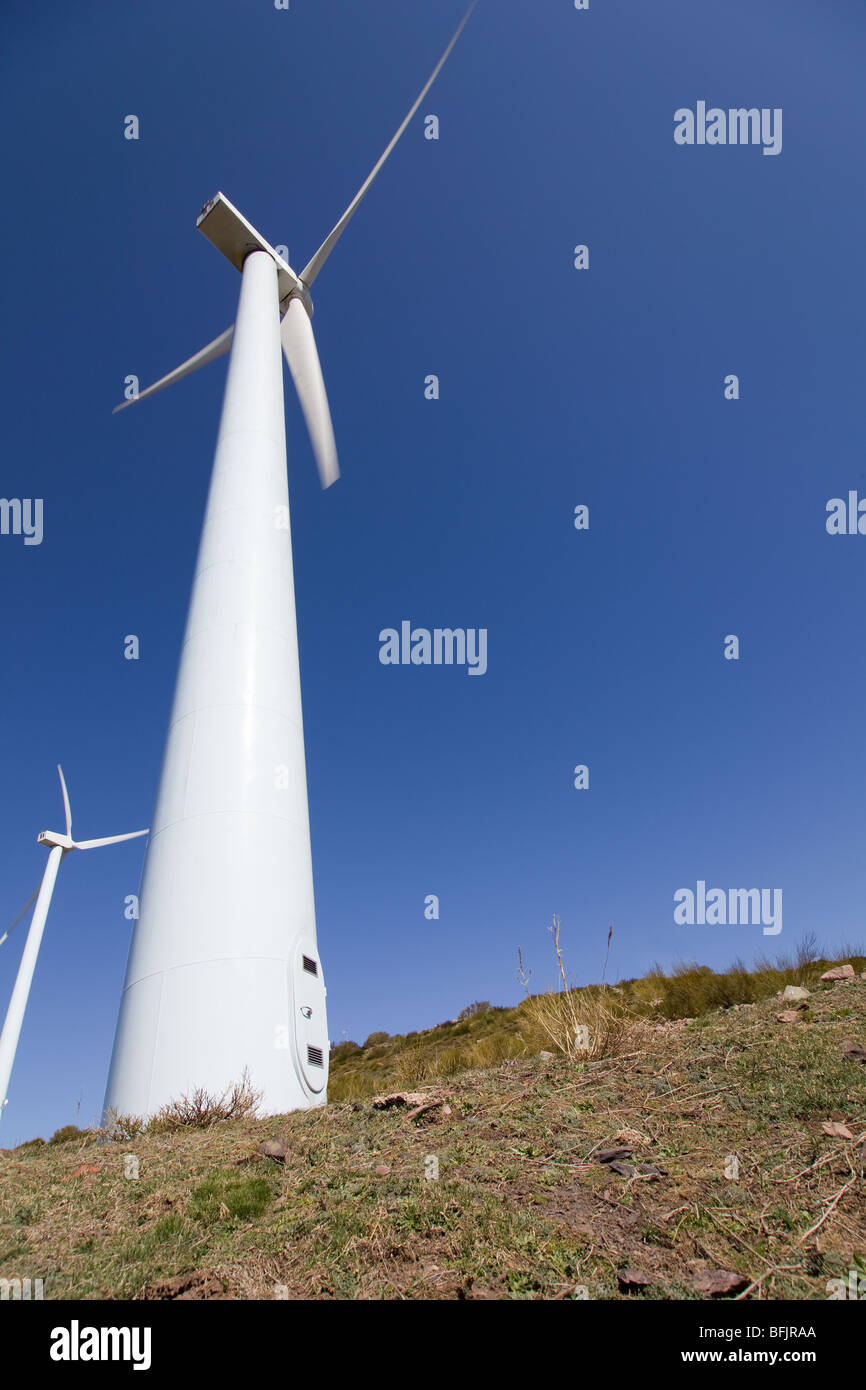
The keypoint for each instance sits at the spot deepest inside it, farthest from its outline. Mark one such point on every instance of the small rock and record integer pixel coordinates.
(546, 1056)
(633, 1279)
(837, 1130)
(274, 1148)
(839, 972)
(608, 1155)
(788, 1016)
(382, 1170)
(855, 1052)
(717, 1282)
(794, 992)
(400, 1098)
(625, 1170)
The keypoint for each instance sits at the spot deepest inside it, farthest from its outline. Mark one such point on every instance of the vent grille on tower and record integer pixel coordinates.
(310, 965)
(314, 1056)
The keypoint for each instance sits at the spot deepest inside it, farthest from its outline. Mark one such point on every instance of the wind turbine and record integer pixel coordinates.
(59, 845)
(224, 973)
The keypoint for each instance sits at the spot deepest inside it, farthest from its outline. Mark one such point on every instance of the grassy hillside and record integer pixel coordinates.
(483, 1036)
(498, 1189)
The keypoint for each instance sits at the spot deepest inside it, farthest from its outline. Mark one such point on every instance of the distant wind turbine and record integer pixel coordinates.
(60, 845)
(224, 974)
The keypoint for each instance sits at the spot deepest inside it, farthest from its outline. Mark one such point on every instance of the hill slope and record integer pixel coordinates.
(727, 1167)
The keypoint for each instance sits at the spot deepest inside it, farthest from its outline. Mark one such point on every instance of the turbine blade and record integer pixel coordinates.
(311, 270)
(201, 359)
(110, 840)
(299, 347)
(65, 801)
(29, 903)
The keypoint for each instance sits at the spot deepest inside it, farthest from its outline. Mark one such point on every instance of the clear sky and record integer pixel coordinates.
(558, 387)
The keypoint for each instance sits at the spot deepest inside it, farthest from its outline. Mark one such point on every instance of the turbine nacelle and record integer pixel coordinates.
(53, 839)
(229, 231)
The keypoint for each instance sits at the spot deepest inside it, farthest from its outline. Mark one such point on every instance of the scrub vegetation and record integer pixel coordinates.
(689, 1137)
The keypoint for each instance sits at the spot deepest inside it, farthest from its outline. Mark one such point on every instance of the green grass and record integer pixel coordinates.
(230, 1197)
(802, 1077)
(521, 1209)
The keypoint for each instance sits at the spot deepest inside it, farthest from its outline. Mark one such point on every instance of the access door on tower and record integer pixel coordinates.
(311, 1026)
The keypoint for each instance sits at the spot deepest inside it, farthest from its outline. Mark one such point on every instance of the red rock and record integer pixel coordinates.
(717, 1282)
(836, 1130)
(274, 1148)
(839, 972)
(633, 1279)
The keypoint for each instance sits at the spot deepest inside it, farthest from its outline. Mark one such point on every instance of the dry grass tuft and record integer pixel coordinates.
(585, 1024)
(121, 1128)
(199, 1110)
(202, 1108)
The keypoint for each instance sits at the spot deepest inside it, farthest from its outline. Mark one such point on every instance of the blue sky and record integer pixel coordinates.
(558, 387)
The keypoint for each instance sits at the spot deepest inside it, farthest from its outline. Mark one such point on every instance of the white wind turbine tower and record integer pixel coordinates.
(60, 845)
(224, 973)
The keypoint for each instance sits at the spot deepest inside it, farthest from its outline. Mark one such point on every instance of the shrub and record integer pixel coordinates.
(479, 1007)
(67, 1133)
(201, 1109)
(375, 1038)
(198, 1110)
(121, 1128)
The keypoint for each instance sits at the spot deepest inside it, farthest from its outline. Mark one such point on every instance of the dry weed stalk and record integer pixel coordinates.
(198, 1110)
(583, 1024)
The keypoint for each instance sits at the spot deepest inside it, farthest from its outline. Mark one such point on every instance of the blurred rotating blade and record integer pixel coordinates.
(29, 903)
(192, 364)
(299, 346)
